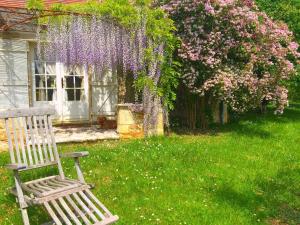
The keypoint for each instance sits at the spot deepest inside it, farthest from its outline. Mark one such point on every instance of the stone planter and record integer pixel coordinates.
(130, 123)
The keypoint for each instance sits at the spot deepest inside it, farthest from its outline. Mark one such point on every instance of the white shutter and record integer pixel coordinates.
(104, 94)
(13, 73)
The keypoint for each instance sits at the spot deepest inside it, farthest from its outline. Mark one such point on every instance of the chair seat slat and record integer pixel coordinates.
(92, 205)
(52, 213)
(92, 196)
(77, 210)
(85, 208)
(69, 211)
(60, 212)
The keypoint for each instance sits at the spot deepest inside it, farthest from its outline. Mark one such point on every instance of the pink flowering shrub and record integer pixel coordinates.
(235, 52)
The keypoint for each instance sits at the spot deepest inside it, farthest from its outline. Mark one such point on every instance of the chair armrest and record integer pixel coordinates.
(15, 166)
(74, 154)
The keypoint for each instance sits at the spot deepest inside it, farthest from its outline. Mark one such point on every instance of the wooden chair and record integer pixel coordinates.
(31, 146)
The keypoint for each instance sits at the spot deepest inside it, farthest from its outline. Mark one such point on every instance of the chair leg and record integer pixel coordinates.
(21, 199)
(25, 216)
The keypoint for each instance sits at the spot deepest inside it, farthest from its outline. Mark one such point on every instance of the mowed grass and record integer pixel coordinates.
(247, 172)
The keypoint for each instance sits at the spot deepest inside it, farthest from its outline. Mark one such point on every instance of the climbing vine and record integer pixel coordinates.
(129, 36)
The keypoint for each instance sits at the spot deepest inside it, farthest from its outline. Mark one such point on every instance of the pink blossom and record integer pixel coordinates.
(208, 8)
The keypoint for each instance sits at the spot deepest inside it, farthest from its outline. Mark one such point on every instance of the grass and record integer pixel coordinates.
(247, 172)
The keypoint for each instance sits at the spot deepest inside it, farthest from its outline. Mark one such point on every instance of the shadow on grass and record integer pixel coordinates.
(274, 201)
(251, 124)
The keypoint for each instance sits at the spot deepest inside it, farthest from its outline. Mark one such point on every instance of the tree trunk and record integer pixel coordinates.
(202, 114)
(121, 85)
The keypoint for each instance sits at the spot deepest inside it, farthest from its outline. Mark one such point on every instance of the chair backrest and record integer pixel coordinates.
(30, 137)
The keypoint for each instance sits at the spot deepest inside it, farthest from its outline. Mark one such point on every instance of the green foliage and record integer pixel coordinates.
(35, 4)
(285, 10)
(289, 12)
(168, 83)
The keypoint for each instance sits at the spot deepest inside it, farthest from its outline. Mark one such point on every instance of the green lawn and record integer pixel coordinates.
(245, 173)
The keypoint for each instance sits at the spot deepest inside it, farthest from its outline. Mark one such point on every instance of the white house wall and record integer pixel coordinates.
(13, 73)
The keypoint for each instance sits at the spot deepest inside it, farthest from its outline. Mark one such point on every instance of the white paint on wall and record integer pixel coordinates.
(13, 73)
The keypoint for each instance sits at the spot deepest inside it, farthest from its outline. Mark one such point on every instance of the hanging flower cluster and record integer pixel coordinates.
(234, 51)
(82, 40)
(120, 36)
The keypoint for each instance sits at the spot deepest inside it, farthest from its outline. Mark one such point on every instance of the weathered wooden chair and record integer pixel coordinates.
(32, 145)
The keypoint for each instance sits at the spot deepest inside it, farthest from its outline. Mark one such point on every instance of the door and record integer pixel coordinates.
(74, 83)
(44, 83)
(65, 88)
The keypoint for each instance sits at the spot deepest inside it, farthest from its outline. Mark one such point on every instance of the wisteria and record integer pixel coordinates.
(94, 41)
(232, 50)
(102, 44)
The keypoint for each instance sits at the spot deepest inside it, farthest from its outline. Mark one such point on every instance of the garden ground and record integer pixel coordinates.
(247, 172)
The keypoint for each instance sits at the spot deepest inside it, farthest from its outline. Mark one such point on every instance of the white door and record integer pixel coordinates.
(64, 88)
(74, 101)
(44, 84)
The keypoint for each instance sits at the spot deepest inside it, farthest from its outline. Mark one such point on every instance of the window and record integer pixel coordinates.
(74, 87)
(45, 80)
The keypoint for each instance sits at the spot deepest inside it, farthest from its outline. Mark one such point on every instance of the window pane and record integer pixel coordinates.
(39, 67)
(51, 94)
(79, 93)
(51, 81)
(40, 95)
(40, 81)
(70, 95)
(78, 82)
(69, 82)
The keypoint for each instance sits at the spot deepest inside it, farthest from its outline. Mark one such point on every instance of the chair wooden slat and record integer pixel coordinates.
(16, 142)
(27, 112)
(85, 208)
(52, 214)
(69, 211)
(92, 205)
(37, 139)
(92, 196)
(10, 144)
(43, 186)
(60, 212)
(25, 130)
(49, 142)
(21, 139)
(32, 139)
(56, 155)
(78, 210)
(42, 132)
